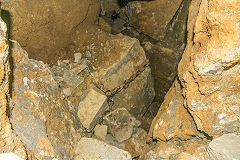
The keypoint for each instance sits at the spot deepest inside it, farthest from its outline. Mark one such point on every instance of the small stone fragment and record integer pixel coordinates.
(91, 109)
(88, 148)
(67, 91)
(88, 54)
(77, 57)
(121, 124)
(100, 131)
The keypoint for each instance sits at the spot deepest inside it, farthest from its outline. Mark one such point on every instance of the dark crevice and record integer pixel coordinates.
(171, 23)
(202, 132)
(6, 17)
(123, 3)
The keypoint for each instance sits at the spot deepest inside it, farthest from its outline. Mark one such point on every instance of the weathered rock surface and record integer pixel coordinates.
(38, 111)
(209, 70)
(89, 148)
(119, 62)
(189, 150)
(194, 149)
(121, 124)
(138, 96)
(50, 106)
(137, 145)
(9, 141)
(91, 109)
(207, 85)
(154, 13)
(150, 22)
(163, 150)
(47, 29)
(173, 122)
(119, 69)
(225, 147)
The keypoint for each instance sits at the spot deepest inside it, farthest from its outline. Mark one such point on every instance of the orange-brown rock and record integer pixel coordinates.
(194, 149)
(208, 73)
(137, 144)
(187, 150)
(209, 69)
(39, 114)
(163, 150)
(173, 122)
(9, 142)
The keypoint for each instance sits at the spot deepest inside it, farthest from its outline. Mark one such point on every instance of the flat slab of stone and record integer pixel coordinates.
(225, 147)
(122, 58)
(91, 109)
(138, 96)
(89, 148)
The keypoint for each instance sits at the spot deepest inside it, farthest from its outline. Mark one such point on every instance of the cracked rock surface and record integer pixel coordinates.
(93, 95)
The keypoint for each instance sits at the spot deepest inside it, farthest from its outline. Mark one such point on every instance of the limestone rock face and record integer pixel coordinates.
(9, 142)
(137, 145)
(154, 13)
(89, 148)
(36, 115)
(124, 58)
(91, 109)
(160, 26)
(36, 25)
(138, 96)
(209, 69)
(173, 122)
(206, 92)
(225, 147)
(208, 73)
(120, 69)
(190, 150)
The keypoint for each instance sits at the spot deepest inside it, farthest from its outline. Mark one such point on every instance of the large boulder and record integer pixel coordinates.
(209, 70)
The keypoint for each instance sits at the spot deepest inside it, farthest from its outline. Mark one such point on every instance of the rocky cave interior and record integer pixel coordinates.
(86, 76)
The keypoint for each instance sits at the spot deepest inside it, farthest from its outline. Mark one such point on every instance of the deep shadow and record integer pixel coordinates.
(6, 17)
(123, 3)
